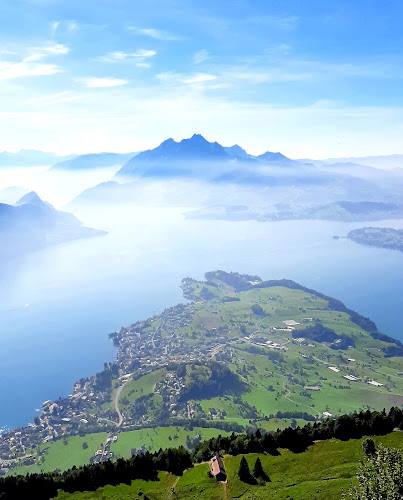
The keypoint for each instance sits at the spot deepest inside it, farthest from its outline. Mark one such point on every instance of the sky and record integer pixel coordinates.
(309, 78)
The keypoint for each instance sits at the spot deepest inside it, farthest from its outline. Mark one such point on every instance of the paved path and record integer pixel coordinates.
(116, 401)
(172, 492)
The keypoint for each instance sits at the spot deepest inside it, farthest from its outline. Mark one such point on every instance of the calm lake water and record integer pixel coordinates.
(57, 306)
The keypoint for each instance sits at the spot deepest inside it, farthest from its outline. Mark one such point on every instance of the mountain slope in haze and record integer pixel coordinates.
(32, 224)
(92, 161)
(346, 211)
(30, 158)
(382, 161)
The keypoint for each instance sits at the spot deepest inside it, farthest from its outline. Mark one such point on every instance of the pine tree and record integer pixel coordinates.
(258, 471)
(244, 472)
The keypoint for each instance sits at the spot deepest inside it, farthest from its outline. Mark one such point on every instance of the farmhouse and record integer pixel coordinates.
(373, 382)
(312, 388)
(217, 468)
(290, 322)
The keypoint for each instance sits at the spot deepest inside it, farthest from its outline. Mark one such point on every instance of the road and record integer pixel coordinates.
(287, 396)
(116, 401)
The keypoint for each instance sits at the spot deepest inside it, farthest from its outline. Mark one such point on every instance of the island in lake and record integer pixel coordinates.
(383, 237)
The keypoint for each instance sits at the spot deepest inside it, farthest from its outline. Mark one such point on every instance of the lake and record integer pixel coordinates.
(57, 306)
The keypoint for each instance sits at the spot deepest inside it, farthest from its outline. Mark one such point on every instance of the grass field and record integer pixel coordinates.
(160, 437)
(320, 473)
(63, 456)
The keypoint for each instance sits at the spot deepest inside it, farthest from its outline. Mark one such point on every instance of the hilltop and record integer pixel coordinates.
(242, 354)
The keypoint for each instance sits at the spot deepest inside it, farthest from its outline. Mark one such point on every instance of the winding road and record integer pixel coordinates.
(116, 401)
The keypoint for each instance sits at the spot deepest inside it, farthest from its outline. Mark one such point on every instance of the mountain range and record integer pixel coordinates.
(196, 150)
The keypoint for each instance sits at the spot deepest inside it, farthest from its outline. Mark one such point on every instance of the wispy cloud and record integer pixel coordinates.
(95, 82)
(284, 23)
(180, 78)
(38, 53)
(60, 97)
(199, 78)
(154, 33)
(201, 56)
(54, 27)
(139, 57)
(9, 71)
(65, 26)
(30, 65)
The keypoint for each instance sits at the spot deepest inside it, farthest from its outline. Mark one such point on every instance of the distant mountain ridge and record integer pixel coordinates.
(30, 158)
(94, 160)
(345, 211)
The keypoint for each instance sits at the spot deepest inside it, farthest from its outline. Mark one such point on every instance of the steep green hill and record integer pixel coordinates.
(320, 473)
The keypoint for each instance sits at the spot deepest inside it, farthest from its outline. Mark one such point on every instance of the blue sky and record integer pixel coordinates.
(308, 78)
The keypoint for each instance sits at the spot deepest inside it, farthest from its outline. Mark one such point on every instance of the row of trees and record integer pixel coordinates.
(91, 477)
(345, 427)
(175, 460)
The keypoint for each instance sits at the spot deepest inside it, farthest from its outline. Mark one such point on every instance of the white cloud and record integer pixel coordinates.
(9, 71)
(201, 56)
(72, 26)
(57, 98)
(38, 53)
(139, 57)
(54, 27)
(103, 82)
(30, 65)
(154, 33)
(199, 78)
(193, 78)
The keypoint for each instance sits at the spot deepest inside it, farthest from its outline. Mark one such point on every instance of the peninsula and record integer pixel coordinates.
(383, 237)
(242, 354)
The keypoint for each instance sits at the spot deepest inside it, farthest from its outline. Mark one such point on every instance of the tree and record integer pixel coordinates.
(368, 447)
(85, 445)
(380, 477)
(258, 471)
(244, 472)
(256, 309)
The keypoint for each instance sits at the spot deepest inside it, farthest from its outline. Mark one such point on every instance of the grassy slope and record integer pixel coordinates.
(320, 473)
(154, 439)
(63, 456)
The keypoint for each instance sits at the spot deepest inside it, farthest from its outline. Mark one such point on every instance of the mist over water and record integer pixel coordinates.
(58, 305)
